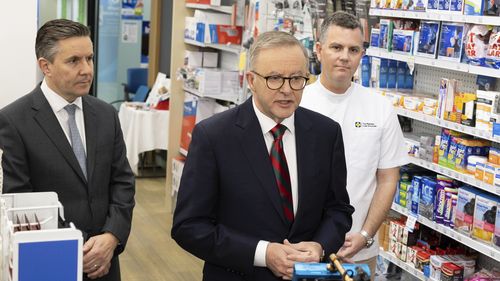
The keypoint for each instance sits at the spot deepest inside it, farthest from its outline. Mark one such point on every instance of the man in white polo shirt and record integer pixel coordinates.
(374, 144)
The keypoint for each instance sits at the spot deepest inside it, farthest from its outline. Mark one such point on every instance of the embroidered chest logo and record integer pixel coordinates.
(358, 124)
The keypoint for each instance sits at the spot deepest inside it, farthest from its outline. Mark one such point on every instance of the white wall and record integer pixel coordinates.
(18, 69)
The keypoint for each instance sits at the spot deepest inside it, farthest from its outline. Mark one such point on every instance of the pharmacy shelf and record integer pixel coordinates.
(222, 9)
(451, 65)
(485, 71)
(468, 179)
(235, 49)
(231, 98)
(486, 20)
(466, 240)
(446, 124)
(403, 265)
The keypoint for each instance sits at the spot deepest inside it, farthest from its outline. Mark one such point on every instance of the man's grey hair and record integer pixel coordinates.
(341, 19)
(52, 32)
(274, 39)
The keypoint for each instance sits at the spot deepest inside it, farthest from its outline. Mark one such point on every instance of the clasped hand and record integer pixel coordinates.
(281, 257)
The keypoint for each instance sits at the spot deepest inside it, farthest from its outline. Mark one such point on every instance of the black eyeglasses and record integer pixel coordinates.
(275, 82)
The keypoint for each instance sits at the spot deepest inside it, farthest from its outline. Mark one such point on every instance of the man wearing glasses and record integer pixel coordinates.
(264, 183)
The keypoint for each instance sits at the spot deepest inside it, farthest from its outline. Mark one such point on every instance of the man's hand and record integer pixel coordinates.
(354, 242)
(277, 261)
(97, 255)
(309, 251)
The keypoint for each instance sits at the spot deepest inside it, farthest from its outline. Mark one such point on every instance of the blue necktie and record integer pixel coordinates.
(76, 140)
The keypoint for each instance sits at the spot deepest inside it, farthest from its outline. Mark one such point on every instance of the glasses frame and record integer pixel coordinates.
(283, 79)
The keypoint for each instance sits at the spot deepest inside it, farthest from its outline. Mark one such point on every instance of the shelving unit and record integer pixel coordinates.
(231, 98)
(227, 48)
(180, 11)
(474, 244)
(403, 265)
(468, 179)
(446, 124)
(222, 9)
(456, 66)
(486, 20)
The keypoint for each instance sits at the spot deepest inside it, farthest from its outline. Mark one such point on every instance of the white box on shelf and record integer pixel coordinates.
(208, 81)
(210, 59)
(203, 21)
(193, 59)
(190, 28)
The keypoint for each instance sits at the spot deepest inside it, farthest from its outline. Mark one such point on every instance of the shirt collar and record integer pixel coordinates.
(335, 95)
(56, 102)
(266, 123)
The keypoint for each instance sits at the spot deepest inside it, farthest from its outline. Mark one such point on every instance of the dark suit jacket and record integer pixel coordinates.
(38, 157)
(228, 199)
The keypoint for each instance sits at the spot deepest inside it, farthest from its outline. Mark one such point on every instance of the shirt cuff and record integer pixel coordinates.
(260, 254)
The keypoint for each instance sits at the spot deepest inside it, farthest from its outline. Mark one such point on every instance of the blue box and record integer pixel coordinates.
(427, 43)
(450, 41)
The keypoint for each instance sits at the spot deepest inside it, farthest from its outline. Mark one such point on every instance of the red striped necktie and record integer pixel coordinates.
(281, 173)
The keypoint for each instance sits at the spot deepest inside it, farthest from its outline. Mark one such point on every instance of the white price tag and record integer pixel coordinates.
(410, 223)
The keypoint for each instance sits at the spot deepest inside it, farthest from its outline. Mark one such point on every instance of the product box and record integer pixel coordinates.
(225, 34)
(496, 236)
(432, 5)
(428, 40)
(427, 198)
(450, 41)
(190, 28)
(384, 71)
(464, 214)
(391, 75)
(484, 217)
(385, 39)
(193, 59)
(473, 7)
(402, 41)
(206, 2)
(375, 38)
(195, 110)
(457, 7)
(443, 6)
(210, 59)
(414, 5)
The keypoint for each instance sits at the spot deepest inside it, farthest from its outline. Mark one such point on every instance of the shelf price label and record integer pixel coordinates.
(410, 222)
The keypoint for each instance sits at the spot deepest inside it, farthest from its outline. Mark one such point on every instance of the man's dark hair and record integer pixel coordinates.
(52, 32)
(342, 19)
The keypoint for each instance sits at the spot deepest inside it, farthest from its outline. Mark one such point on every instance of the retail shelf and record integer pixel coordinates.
(456, 66)
(447, 124)
(456, 175)
(466, 240)
(486, 20)
(403, 265)
(222, 9)
(433, 16)
(235, 49)
(486, 71)
(231, 98)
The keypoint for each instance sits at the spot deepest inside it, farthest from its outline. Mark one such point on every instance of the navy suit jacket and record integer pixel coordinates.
(228, 199)
(38, 157)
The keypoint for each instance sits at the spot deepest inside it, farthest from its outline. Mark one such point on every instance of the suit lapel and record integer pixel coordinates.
(91, 135)
(305, 143)
(47, 120)
(254, 147)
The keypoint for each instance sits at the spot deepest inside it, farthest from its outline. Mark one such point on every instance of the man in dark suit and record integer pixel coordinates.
(57, 138)
(264, 183)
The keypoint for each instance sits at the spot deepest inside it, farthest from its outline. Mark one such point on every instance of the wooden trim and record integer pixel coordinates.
(154, 41)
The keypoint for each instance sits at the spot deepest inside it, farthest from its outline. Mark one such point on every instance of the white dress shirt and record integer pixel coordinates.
(57, 103)
(289, 147)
